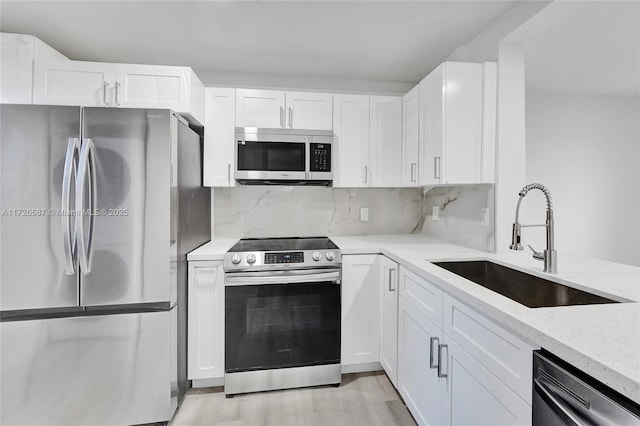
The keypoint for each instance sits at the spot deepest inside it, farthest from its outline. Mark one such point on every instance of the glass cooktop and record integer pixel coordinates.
(284, 244)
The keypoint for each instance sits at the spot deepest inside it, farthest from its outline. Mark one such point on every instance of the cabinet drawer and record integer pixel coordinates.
(426, 297)
(503, 353)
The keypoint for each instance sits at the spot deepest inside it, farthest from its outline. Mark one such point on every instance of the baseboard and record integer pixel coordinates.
(360, 368)
(207, 383)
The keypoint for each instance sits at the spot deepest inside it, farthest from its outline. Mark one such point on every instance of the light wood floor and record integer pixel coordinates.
(362, 399)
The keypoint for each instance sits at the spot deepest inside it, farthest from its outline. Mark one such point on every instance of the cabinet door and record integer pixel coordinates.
(260, 108)
(16, 68)
(309, 110)
(152, 86)
(219, 136)
(410, 141)
(431, 130)
(386, 140)
(418, 382)
(463, 92)
(389, 323)
(351, 137)
(474, 396)
(63, 82)
(360, 310)
(205, 333)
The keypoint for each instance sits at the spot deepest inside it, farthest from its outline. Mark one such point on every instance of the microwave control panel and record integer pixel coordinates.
(320, 160)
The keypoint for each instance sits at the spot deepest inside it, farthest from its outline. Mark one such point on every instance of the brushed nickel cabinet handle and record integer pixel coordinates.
(440, 348)
(431, 357)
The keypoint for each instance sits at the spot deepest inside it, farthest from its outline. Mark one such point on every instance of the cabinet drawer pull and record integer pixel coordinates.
(392, 274)
(431, 357)
(105, 85)
(282, 117)
(365, 173)
(290, 118)
(413, 171)
(436, 167)
(229, 173)
(116, 100)
(440, 348)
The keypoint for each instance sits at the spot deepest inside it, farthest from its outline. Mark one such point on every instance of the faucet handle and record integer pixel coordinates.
(536, 254)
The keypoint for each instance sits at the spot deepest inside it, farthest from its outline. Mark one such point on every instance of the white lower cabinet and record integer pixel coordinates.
(389, 317)
(474, 396)
(418, 382)
(205, 335)
(360, 312)
(475, 376)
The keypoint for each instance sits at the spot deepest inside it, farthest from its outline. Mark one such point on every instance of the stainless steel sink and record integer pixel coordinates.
(529, 290)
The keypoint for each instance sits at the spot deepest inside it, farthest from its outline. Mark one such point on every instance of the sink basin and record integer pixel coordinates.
(529, 290)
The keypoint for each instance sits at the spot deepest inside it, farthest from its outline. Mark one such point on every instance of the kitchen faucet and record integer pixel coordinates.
(550, 256)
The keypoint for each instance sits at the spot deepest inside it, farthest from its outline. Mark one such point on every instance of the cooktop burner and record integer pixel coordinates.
(279, 244)
(282, 254)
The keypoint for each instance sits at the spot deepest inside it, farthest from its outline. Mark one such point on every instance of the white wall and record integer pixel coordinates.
(586, 150)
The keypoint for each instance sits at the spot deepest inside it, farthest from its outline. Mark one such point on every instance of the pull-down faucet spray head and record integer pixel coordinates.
(549, 256)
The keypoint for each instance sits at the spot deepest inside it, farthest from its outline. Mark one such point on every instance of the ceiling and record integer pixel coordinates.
(392, 41)
(584, 47)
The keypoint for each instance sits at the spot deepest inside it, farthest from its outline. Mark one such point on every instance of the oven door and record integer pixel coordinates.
(282, 319)
(271, 160)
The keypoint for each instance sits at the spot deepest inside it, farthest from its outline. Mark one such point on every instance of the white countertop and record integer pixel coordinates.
(213, 250)
(601, 340)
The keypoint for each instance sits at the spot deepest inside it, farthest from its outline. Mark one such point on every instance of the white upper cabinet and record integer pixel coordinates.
(18, 52)
(351, 141)
(311, 111)
(219, 136)
(65, 82)
(368, 136)
(410, 140)
(154, 86)
(385, 140)
(453, 137)
(260, 108)
(283, 110)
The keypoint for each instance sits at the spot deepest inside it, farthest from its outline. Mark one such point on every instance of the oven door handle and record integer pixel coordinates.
(281, 277)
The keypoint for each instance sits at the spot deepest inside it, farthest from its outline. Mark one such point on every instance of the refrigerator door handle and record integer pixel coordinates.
(86, 169)
(69, 232)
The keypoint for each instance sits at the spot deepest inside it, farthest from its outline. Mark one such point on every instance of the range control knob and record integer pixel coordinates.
(330, 256)
(235, 259)
(251, 258)
(316, 256)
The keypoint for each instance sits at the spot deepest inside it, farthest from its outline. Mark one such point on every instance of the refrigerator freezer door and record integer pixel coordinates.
(101, 370)
(33, 267)
(130, 262)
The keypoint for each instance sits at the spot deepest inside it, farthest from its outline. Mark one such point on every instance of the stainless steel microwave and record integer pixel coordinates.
(283, 156)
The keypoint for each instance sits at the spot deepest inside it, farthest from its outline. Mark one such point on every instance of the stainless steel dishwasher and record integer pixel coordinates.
(563, 395)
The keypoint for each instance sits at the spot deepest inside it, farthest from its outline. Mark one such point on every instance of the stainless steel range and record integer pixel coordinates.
(282, 314)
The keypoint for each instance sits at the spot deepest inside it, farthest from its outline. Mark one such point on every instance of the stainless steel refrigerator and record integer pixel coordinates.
(99, 208)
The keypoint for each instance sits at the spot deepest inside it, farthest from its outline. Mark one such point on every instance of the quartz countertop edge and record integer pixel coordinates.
(213, 250)
(601, 340)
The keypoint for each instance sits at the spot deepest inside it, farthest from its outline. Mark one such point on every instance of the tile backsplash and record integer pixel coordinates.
(459, 219)
(284, 211)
